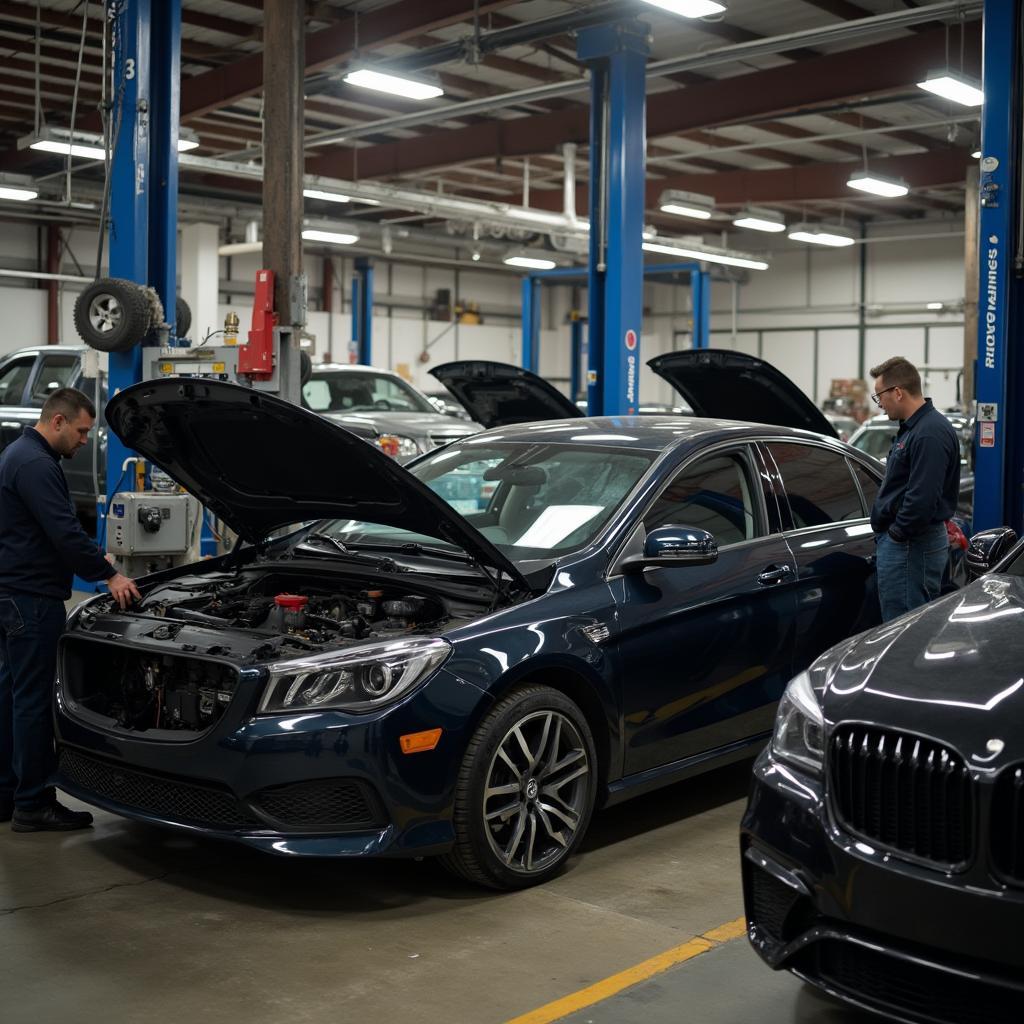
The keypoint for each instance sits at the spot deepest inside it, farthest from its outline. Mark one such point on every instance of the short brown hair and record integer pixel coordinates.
(67, 402)
(898, 373)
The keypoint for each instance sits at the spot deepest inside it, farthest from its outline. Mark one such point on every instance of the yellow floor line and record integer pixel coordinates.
(611, 986)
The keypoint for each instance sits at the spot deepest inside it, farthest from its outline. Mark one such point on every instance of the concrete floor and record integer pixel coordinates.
(130, 923)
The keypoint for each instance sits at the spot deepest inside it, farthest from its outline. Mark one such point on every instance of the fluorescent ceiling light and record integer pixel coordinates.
(381, 81)
(756, 219)
(686, 204)
(887, 188)
(331, 237)
(953, 87)
(706, 257)
(976, 154)
(187, 139)
(368, 202)
(689, 8)
(64, 148)
(530, 262)
(821, 234)
(21, 195)
(330, 197)
(934, 305)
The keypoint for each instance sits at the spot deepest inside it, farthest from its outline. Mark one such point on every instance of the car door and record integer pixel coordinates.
(831, 539)
(15, 415)
(707, 650)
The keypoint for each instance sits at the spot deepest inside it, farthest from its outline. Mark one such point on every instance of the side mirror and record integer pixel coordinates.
(674, 545)
(987, 549)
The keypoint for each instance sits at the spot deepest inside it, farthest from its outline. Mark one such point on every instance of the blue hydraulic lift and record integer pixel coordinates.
(700, 286)
(999, 449)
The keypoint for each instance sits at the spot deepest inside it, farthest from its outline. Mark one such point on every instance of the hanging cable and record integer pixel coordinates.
(74, 102)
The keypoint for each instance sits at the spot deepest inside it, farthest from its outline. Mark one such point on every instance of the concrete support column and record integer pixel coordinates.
(200, 274)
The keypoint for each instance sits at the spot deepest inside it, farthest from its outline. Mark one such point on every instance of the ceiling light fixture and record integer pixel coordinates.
(822, 234)
(330, 237)
(956, 87)
(933, 305)
(705, 256)
(396, 85)
(756, 218)
(88, 146)
(876, 185)
(17, 187)
(689, 8)
(328, 197)
(976, 154)
(686, 204)
(187, 139)
(529, 262)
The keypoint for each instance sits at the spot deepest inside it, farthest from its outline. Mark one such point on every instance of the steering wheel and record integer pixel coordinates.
(383, 404)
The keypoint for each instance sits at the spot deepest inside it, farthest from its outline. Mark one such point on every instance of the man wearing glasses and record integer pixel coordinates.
(917, 496)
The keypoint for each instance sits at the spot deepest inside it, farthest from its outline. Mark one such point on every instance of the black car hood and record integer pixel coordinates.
(952, 670)
(261, 463)
(498, 394)
(723, 384)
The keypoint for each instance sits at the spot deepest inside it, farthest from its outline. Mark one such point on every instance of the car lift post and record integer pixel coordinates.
(362, 310)
(999, 448)
(616, 55)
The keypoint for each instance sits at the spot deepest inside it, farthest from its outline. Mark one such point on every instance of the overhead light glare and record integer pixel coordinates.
(330, 237)
(706, 257)
(530, 262)
(368, 202)
(328, 197)
(755, 219)
(933, 305)
(976, 155)
(818, 234)
(64, 148)
(20, 195)
(953, 87)
(689, 8)
(887, 188)
(686, 204)
(396, 85)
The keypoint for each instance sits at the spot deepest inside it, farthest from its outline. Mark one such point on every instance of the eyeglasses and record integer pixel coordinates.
(875, 397)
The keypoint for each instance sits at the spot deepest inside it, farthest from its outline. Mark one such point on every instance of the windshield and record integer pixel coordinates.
(875, 441)
(358, 391)
(531, 501)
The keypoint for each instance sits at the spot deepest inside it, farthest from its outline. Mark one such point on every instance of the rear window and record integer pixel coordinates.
(818, 483)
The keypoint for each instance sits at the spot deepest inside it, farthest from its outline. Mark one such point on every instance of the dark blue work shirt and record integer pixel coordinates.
(42, 543)
(922, 476)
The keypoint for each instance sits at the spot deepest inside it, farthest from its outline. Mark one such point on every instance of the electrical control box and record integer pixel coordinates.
(151, 523)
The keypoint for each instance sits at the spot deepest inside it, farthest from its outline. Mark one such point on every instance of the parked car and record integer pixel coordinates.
(844, 426)
(606, 606)
(403, 421)
(883, 844)
(443, 402)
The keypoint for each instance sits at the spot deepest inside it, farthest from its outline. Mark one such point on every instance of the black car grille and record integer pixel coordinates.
(322, 804)
(1008, 825)
(904, 792)
(921, 991)
(153, 794)
(770, 902)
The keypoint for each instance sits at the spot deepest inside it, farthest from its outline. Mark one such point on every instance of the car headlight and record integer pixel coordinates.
(360, 679)
(397, 446)
(799, 735)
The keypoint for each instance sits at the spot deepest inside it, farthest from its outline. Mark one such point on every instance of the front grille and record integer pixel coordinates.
(922, 991)
(325, 803)
(904, 792)
(771, 903)
(153, 794)
(1008, 825)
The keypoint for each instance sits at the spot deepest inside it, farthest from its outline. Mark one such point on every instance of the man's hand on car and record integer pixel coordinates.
(123, 590)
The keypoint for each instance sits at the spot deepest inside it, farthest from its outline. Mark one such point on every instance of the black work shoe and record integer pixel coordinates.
(53, 817)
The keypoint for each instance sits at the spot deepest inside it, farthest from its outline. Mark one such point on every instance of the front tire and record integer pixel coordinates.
(525, 791)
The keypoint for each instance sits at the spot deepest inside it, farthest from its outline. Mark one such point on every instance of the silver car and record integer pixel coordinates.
(403, 420)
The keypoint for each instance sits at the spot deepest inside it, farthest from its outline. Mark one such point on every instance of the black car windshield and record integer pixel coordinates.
(361, 391)
(531, 501)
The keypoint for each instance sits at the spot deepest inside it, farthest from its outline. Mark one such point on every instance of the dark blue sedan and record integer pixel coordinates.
(463, 658)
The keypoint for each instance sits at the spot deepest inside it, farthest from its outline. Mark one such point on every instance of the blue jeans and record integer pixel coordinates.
(910, 573)
(30, 628)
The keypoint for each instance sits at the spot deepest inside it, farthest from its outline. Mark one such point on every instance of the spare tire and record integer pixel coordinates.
(113, 315)
(183, 318)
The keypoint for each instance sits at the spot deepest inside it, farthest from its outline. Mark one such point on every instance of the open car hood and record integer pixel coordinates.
(260, 463)
(728, 385)
(498, 394)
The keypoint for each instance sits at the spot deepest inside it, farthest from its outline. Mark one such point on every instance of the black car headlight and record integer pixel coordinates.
(359, 679)
(799, 735)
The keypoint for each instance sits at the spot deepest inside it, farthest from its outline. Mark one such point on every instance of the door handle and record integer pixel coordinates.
(774, 574)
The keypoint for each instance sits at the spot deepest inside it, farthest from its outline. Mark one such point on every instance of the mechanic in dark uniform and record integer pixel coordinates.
(42, 545)
(917, 496)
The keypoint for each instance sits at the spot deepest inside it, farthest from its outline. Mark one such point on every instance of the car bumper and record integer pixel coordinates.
(323, 784)
(915, 943)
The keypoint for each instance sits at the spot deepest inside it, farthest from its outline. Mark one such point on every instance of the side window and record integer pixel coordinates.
(868, 484)
(54, 372)
(13, 379)
(713, 494)
(818, 484)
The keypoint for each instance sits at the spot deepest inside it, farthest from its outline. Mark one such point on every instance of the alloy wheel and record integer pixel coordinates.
(105, 313)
